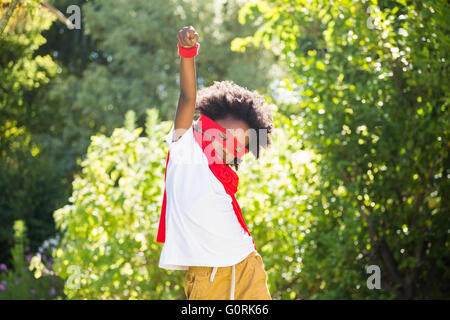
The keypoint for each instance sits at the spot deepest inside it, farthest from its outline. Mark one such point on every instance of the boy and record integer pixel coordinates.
(203, 231)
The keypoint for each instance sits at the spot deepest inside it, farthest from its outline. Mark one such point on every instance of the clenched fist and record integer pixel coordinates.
(187, 37)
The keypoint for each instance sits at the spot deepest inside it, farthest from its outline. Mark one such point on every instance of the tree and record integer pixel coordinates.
(135, 62)
(29, 180)
(373, 91)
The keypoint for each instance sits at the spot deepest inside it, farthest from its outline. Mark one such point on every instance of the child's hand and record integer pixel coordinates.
(187, 37)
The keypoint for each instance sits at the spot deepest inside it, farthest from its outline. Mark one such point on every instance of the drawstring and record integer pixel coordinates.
(233, 276)
(211, 279)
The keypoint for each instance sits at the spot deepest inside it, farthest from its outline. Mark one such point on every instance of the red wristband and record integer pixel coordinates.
(188, 53)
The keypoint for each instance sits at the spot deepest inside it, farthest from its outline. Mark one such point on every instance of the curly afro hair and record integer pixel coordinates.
(225, 98)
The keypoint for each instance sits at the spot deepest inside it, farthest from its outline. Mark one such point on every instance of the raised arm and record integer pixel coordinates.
(187, 38)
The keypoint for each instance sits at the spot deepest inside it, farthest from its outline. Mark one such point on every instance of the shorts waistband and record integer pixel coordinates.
(206, 271)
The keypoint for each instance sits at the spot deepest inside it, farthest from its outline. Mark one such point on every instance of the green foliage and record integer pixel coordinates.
(30, 179)
(135, 63)
(58, 87)
(109, 226)
(19, 283)
(373, 103)
(123, 58)
(358, 173)
(30, 186)
(21, 71)
(271, 193)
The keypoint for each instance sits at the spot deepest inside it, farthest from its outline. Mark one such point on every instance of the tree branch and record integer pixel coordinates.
(5, 19)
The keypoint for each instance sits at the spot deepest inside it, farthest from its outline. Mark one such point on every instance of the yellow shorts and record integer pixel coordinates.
(246, 280)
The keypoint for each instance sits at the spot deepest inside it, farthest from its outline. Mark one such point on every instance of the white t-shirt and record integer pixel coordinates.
(201, 226)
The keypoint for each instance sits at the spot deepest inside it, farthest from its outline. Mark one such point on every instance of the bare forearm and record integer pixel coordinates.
(187, 38)
(188, 91)
(188, 79)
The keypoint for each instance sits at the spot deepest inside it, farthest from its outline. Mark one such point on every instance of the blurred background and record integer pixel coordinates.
(351, 202)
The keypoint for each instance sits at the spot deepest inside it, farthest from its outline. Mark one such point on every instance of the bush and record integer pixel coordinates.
(20, 283)
(109, 248)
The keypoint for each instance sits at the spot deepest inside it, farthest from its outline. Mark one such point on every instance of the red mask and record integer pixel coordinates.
(209, 130)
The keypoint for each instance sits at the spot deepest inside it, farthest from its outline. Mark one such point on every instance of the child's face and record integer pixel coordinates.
(237, 128)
